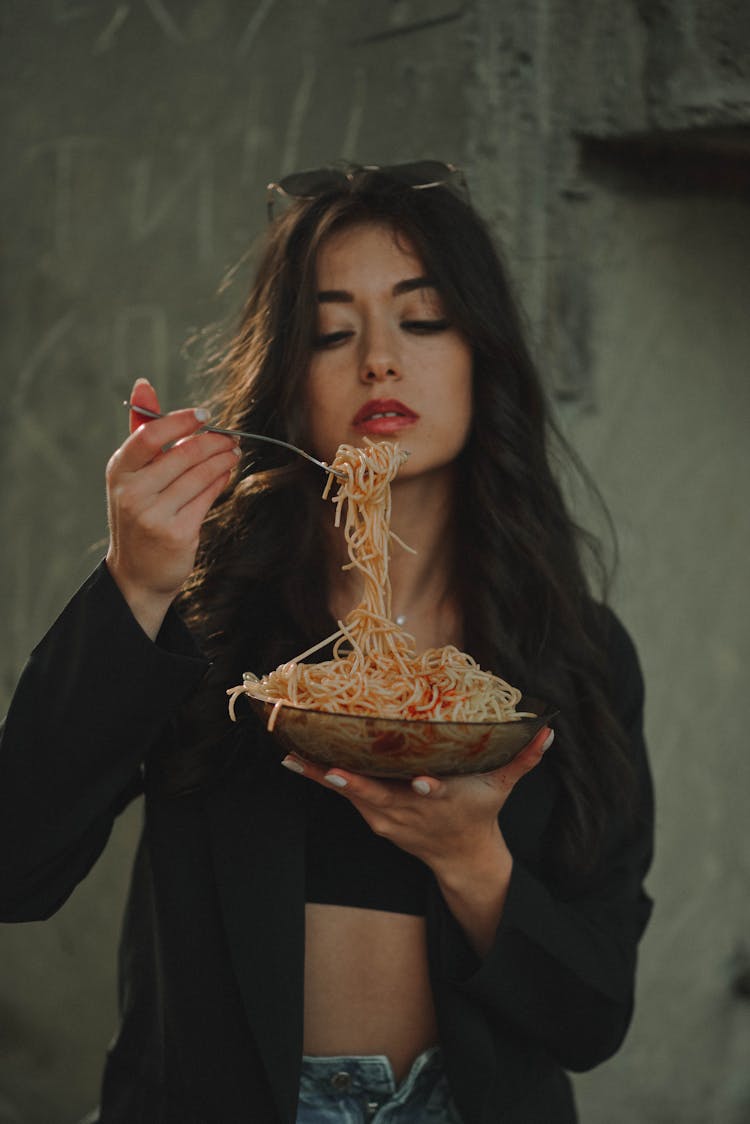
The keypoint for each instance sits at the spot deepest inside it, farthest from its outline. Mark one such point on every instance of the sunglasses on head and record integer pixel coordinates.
(420, 175)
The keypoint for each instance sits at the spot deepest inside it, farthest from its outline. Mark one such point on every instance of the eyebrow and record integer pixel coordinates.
(407, 286)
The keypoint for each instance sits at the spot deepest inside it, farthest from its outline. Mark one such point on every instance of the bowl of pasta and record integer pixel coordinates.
(378, 706)
(401, 747)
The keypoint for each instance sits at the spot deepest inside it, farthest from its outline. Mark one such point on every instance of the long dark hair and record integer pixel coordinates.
(258, 591)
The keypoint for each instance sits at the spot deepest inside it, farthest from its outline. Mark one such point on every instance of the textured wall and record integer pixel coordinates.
(139, 139)
(668, 444)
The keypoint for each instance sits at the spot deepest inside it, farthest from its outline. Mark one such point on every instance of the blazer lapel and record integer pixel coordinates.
(257, 828)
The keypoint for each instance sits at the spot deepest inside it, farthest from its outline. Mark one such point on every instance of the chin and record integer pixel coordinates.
(418, 467)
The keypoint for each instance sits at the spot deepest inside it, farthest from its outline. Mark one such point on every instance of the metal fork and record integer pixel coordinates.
(239, 433)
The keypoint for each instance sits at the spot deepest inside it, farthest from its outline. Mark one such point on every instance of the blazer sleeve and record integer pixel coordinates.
(94, 697)
(562, 967)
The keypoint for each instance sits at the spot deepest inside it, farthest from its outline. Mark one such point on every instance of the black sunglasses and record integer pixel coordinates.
(420, 175)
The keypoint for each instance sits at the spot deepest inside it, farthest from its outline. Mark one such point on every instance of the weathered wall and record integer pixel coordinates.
(139, 139)
(668, 443)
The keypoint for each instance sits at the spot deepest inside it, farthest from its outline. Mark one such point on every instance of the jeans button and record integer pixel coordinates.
(342, 1081)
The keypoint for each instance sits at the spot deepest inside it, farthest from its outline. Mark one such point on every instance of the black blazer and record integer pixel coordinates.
(211, 957)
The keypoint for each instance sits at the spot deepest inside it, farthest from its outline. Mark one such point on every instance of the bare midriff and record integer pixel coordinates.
(367, 988)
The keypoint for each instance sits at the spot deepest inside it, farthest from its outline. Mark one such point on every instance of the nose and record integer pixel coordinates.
(379, 362)
(378, 374)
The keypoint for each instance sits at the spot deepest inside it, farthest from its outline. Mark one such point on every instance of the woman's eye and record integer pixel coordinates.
(425, 326)
(330, 339)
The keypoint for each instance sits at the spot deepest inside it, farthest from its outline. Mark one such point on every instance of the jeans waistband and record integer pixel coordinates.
(366, 1073)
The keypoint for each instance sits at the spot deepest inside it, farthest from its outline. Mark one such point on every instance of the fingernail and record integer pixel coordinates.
(548, 741)
(201, 414)
(237, 450)
(142, 382)
(292, 765)
(335, 780)
(421, 787)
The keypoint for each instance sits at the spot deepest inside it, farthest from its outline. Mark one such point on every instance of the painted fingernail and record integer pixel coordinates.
(292, 765)
(421, 787)
(548, 740)
(335, 780)
(201, 414)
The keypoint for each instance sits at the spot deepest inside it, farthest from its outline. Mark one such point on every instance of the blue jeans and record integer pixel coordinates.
(363, 1090)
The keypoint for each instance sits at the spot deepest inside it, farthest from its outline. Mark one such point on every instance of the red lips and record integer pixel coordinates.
(383, 416)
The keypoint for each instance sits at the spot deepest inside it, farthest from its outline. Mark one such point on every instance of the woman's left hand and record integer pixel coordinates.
(447, 823)
(450, 824)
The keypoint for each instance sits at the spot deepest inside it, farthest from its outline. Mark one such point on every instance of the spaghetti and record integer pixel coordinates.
(375, 670)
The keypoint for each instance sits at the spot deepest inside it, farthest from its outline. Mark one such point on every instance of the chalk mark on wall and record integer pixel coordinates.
(299, 107)
(48, 344)
(106, 40)
(356, 114)
(64, 150)
(254, 132)
(146, 217)
(40, 448)
(408, 28)
(140, 340)
(254, 25)
(166, 22)
(64, 11)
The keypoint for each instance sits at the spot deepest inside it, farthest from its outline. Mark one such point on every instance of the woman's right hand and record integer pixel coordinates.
(157, 502)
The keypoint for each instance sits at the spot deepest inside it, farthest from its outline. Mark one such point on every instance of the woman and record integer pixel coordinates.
(302, 944)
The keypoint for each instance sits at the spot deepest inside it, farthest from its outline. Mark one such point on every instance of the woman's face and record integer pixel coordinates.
(386, 362)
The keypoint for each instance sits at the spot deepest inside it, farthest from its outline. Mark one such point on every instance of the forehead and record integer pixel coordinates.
(366, 251)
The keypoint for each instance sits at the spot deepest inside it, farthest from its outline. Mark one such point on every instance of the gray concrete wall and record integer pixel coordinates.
(668, 443)
(608, 145)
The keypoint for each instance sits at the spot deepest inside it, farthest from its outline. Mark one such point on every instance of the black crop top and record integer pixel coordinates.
(348, 864)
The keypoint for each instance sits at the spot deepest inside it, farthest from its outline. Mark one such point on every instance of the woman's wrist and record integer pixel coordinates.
(148, 608)
(475, 888)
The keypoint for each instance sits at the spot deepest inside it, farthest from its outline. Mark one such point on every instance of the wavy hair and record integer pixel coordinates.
(258, 591)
